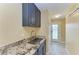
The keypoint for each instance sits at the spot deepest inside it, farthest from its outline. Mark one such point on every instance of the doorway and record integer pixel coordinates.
(57, 45)
(57, 37)
(55, 32)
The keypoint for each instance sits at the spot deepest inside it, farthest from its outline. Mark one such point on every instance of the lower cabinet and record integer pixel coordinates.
(42, 49)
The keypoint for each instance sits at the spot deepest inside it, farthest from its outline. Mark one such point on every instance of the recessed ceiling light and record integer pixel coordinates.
(57, 16)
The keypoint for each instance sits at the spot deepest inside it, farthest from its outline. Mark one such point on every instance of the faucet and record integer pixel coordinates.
(33, 32)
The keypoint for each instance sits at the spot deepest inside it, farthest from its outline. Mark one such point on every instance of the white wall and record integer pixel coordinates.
(72, 33)
(10, 23)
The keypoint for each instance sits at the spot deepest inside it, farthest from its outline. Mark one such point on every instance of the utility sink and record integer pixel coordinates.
(36, 41)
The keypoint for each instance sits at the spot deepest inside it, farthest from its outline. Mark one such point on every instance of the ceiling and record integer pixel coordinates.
(54, 8)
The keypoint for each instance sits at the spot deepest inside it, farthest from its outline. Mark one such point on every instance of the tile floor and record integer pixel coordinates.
(57, 49)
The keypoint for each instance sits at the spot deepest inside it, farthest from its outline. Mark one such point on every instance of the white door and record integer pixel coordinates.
(54, 32)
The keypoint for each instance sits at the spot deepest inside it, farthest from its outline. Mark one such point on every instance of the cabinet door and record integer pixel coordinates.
(44, 48)
(28, 14)
(31, 12)
(25, 14)
(40, 50)
(31, 15)
(37, 17)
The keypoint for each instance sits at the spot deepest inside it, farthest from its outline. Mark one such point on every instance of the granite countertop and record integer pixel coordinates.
(21, 48)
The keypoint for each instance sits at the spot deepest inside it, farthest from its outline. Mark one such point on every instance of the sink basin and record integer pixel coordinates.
(35, 41)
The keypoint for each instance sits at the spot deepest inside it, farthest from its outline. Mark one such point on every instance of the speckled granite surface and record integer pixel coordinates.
(4, 49)
(19, 48)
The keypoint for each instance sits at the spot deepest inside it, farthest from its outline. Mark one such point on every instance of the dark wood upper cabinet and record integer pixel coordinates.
(31, 15)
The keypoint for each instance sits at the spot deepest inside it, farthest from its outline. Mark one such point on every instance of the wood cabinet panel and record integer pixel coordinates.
(31, 15)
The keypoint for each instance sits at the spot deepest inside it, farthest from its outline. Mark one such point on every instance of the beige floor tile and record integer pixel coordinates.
(57, 49)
